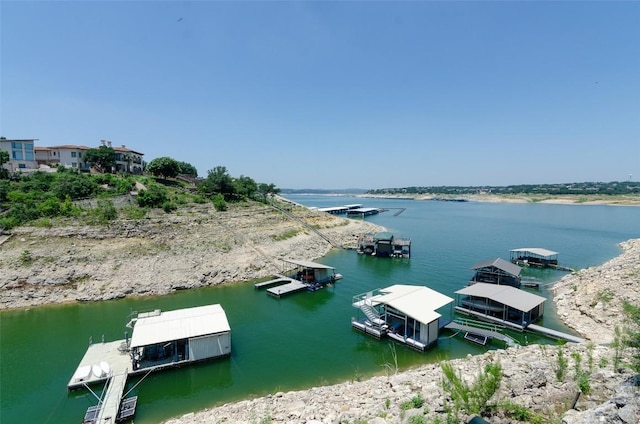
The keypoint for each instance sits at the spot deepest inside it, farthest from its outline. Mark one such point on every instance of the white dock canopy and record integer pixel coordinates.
(308, 264)
(539, 251)
(181, 324)
(418, 302)
(506, 295)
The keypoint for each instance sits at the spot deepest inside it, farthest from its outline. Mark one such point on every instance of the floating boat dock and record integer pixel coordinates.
(405, 313)
(536, 257)
(384, 244)
(159, 340)
(298, 276)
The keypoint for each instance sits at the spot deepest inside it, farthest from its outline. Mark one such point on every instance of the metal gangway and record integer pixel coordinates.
(482, 329)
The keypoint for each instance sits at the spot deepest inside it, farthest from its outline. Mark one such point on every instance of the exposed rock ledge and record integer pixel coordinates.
(529, 372)
(163, 253)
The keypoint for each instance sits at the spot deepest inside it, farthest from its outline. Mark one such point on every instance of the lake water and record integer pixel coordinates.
(305, 339)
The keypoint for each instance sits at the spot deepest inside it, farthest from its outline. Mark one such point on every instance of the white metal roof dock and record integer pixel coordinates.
(159, 327)
(405, 313)
(536, 251)
(418, 302)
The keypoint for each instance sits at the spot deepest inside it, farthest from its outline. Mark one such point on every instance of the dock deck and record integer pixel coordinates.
(292, 286)
(272, 283)
(111, 353)
(114, 373)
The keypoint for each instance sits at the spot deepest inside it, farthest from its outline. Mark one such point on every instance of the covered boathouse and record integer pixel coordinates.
(534, 256)
(159, 340)
(299, 275)
(496, 271)
(500, 304)
(406, 313)
(184, 335)
(384, 244)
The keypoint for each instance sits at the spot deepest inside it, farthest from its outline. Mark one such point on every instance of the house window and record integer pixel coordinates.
(73, 154)
(22, 165)
(17, 155)
(74, 165)
(28, 155)
(16, 145)
(28, 146)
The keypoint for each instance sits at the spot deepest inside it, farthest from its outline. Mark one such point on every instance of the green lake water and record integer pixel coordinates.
(305, 339)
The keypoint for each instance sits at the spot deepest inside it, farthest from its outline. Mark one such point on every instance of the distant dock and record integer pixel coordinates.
(300, 275)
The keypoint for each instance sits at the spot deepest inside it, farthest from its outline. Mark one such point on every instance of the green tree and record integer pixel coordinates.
(219, 181)
(103, 158)
(266, 189)
(4, 158)
(245, 187)
(164, 167)
(153, 197)
(74, 185)
(187, 168)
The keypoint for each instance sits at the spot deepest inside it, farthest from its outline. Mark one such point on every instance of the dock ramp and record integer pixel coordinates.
(558, 335)
(481, 329)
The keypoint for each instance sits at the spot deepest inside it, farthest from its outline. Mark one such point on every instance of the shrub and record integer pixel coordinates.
(105, 212)
(169, 207)
(471, 398)
(153, 197)
(561, 365)
(219, 203)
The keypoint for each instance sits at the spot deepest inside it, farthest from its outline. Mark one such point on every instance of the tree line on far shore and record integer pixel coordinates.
(584, 188)
(37, 197)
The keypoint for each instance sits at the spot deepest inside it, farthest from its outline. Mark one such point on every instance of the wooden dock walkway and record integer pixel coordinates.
(555, 334)
(110, 405)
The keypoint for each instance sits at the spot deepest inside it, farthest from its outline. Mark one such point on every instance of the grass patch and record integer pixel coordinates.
(286, 235)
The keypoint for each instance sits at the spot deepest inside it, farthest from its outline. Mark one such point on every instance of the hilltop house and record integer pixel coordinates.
(21, 154)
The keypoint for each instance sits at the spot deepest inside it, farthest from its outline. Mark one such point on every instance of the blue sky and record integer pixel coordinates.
(357, 94)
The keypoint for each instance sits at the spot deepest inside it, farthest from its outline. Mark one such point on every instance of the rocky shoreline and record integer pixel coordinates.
(530, 372)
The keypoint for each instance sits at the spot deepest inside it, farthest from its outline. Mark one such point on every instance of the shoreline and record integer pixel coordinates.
(544, 199)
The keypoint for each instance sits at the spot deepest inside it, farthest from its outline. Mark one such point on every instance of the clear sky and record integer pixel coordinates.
(333, 94)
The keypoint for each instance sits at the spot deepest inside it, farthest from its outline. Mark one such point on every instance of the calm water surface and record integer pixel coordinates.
(305, 339)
